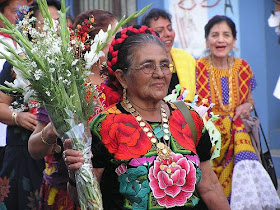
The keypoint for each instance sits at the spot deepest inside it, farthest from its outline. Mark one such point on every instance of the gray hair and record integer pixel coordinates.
(126, 51)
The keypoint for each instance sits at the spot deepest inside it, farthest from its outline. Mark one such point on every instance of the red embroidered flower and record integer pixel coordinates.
(4, 188)
(174, 188)
(181, 131)
(123, 137)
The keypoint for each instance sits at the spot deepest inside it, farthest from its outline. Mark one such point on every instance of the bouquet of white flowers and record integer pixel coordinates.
(50, 71)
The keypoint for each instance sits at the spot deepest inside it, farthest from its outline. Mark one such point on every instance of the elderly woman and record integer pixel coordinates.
(143, 151)
(228, 82)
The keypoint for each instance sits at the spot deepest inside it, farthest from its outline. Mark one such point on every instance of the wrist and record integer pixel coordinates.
(14, 117)
(46, 136)
(251, 105)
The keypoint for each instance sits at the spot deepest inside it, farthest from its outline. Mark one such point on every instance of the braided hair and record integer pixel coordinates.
(120, 55)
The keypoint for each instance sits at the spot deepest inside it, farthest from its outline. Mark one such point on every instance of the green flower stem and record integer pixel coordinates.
(122, 22)
(7, 89)
(15, 34)
(62, 88)
(65, 35)
(44, 9)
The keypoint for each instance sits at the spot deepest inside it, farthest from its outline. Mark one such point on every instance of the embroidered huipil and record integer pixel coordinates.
(134, 176)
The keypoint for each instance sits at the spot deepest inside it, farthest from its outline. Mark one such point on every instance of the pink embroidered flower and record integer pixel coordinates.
(173, 188)
(4, 188)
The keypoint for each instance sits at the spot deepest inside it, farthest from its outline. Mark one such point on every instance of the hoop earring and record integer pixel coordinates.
(124, 94)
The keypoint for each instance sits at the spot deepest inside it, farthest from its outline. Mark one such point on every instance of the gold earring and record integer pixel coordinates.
(124, 94)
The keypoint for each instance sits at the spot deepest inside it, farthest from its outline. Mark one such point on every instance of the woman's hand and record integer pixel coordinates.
(243, 111)
(73, 158)
(26, 120)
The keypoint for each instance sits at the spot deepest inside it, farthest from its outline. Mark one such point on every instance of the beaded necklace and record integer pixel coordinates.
(163, 149)
(217, 92)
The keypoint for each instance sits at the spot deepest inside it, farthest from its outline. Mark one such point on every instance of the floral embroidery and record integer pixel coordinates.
(193, 158)
(181, 131)
(34, 199)
(123, 137)
(50, 164)
(174, 188)
(142, 161)
(134, 187)
(121, 169)
(4, 188)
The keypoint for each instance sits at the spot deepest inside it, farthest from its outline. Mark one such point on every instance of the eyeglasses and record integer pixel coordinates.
(150, 68)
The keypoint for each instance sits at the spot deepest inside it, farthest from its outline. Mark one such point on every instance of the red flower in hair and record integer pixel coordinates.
(80, 35)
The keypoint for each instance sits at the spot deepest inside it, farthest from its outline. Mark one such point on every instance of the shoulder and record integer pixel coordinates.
(241, 61)
(181, 52)
(201, 62)
(6, 73)
(243, 65)
(109, 113)
(177, 114)
(6, 40)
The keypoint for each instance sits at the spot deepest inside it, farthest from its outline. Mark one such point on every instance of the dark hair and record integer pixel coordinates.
(35, 8)
(155, 14)
(102, 19)
(3, 5)
(218, 19)
(70, 17)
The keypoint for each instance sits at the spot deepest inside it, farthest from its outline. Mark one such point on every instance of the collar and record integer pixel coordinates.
(6, 35)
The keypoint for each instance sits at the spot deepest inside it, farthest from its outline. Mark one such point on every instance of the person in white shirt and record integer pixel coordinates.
(274, 21)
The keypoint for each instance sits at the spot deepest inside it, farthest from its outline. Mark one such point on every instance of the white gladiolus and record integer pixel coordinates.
(91, 57)
(101, 37)
(27, 95)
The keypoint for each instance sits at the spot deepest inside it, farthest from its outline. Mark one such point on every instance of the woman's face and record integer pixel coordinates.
(54, 14)
(10, 11)
(220, 40)
(147, 87)
(165, 30)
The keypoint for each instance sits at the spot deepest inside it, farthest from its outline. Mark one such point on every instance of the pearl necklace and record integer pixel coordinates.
(163, 150)
(216, 90)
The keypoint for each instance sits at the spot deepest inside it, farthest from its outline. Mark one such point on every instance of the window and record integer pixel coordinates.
(117, 7)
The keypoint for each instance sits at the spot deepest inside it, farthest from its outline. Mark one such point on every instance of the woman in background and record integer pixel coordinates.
(53, 191)
(21, 174)
(184, 72)
(228, 82)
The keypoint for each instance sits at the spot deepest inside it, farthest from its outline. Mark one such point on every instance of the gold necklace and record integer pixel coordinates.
(216, 90)
(163, 150)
